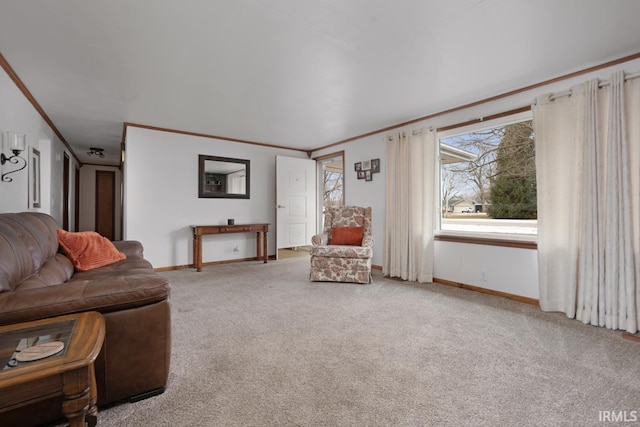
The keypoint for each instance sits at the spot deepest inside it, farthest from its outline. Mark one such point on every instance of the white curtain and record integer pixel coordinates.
(410, 198)
(588, 173)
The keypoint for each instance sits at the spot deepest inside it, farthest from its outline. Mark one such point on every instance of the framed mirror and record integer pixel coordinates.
(223, 177)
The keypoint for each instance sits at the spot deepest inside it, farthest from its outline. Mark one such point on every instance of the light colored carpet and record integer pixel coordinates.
(259, 345)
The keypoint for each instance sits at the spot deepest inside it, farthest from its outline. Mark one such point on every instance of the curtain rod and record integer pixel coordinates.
(602, 84)
(413, 132)
(423, 130)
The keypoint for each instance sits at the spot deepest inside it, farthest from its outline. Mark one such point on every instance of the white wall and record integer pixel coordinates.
(88, 197)
(509, 270)
(18, 115)
(161, 196)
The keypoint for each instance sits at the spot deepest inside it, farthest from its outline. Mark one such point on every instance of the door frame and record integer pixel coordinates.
(76, 213)
(66, 172)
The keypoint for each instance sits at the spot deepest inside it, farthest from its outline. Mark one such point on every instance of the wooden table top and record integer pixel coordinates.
(85, 336)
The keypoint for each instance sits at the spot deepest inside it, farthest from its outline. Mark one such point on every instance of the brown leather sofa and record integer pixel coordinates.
(38, 281)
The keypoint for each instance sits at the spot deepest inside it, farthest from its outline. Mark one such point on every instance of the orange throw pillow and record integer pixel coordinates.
(349, 236)
(88, 250)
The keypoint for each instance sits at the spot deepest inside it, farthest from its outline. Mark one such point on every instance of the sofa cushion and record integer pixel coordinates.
(54, 272)
(105, 293)
(88, 250)
(27, 241)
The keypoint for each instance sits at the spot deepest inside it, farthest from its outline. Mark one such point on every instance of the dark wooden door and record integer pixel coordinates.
(105, 203)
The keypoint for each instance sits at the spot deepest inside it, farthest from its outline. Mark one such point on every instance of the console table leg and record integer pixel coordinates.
(265, 252)
(258, 245)
(197, 252)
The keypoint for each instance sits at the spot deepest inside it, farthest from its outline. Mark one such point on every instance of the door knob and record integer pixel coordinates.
(281, 206)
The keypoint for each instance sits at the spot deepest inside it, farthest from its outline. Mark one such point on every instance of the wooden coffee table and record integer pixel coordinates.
(69, 373)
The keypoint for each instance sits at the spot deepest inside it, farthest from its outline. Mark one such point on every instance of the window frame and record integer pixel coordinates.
(526, 241)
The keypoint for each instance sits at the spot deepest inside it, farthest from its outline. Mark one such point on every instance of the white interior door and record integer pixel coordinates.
(295, 201)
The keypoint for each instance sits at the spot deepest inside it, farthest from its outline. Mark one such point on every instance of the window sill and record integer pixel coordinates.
(509, 241)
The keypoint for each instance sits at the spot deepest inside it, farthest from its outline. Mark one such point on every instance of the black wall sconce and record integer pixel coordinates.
(16, 143)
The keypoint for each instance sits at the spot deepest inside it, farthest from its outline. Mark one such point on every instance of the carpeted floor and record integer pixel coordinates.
(259, 345)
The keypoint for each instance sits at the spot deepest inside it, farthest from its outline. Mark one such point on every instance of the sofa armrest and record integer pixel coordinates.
(320, 240)
(129, 247)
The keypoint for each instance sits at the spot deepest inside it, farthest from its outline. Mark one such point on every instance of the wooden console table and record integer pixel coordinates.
(261, 231)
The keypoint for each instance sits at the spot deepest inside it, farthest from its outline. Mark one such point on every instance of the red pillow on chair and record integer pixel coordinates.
(88, 250)
(348, 236)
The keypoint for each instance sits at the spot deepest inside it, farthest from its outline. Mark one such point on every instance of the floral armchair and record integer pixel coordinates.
(342, 253)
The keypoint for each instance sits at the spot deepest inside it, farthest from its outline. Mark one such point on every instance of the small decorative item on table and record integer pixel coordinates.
(40, 351)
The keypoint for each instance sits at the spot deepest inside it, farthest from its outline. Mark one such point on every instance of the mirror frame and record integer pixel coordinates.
(202, 158)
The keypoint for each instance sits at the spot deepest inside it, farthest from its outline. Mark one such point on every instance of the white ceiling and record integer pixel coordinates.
(292, 73)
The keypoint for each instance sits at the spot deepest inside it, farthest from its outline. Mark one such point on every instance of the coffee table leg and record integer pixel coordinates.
(92, 413)
(76, 391)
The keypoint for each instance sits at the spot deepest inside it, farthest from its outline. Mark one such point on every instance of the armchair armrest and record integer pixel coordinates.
(367, 241)
(320, 240)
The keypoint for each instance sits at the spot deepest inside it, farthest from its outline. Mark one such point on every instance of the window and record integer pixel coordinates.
(488, 178)
(332, 181)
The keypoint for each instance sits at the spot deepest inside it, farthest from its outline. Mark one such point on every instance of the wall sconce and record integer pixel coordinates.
(16, 143)
(96, 151)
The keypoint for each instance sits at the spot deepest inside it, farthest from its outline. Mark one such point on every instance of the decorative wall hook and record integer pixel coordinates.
(15, 142)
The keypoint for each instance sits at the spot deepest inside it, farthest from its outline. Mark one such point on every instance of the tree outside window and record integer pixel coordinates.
(490, 178)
